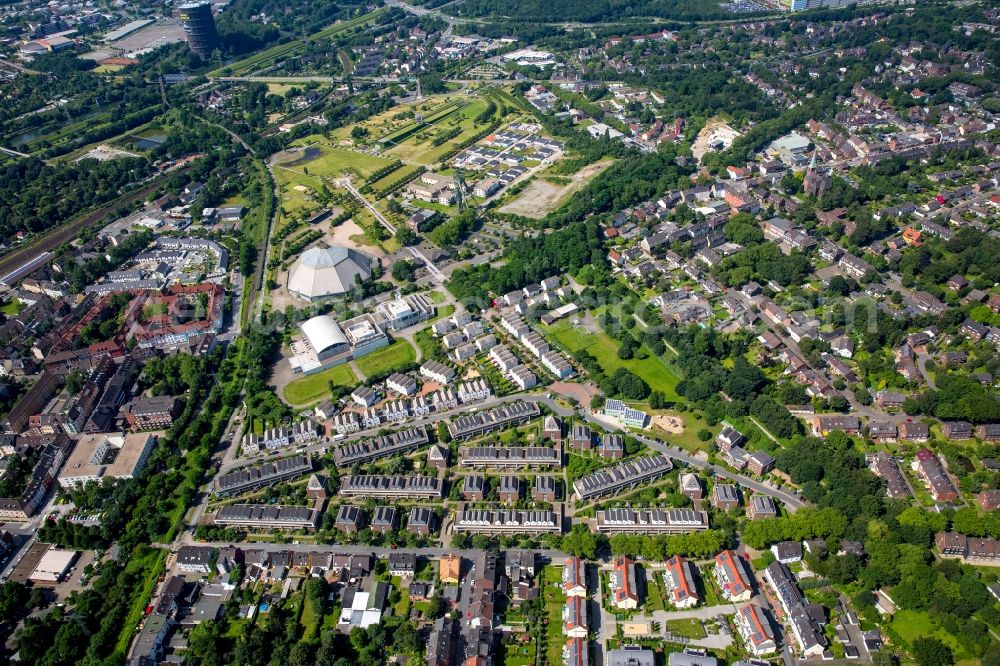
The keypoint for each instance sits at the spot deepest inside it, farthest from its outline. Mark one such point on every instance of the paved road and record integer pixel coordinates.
(924, 372)
(702, 613)
(346, 183)
(792, 501)
(436, 275)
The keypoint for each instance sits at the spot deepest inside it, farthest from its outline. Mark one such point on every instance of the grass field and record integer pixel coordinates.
(395, 355)
(309, 619)
(691, 628)
(11, 308)
(910, 625)
(324, 159)
(397, 175)
(654, 370)
(554, 600)
(311, 388)
(656, 593)
(520, 655)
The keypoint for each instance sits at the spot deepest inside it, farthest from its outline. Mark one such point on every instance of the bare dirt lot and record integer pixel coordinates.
(541, 196)
(714, 130)
(671, 424)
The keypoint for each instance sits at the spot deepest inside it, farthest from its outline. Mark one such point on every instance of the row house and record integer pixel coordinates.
(935, 477)
(391, 486)
(506, 521)
(651, 520)
(626, 475)
(380, 447)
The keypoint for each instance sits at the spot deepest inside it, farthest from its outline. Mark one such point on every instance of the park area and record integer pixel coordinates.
(653, 370)
(310, 388)
(416, 144)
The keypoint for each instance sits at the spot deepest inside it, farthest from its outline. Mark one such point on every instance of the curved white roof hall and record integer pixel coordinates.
(322, 332)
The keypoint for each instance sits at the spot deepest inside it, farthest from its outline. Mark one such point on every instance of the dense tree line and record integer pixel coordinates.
(763, 262)
(957, 396)
(700, 357)
(34, 195)
(98, 624)
(591, 11)
(530, 259)
(454, 230)
(628, 181)
(832, 473)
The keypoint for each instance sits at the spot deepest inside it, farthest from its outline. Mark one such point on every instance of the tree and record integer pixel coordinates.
(581, 542)
(402, 270)
(13, 597)
(406, 236)
(838, 403)
(932, 652)
(435, 607)
(74, 382)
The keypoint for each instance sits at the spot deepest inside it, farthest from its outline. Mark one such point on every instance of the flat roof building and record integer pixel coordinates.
(53, 565)
(104, 455)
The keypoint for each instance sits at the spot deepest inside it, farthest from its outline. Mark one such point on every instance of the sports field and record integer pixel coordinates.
(311, 388)
(383, 360)
(655, 372)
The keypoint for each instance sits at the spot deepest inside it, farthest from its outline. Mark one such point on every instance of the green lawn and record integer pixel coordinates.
(656, 592)
(333, 161)
(519, 655)
(309, 619)
(707, 587)
(398, 354)
(691, 628)
(403, 607)
(910, 625)
(654, 370)
(311, 388)
(554, 599)
(11, 308)
(392, 178)
(419, 147)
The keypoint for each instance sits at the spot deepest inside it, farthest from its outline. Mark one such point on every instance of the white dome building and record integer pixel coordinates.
(329, 271)
(325, 337)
